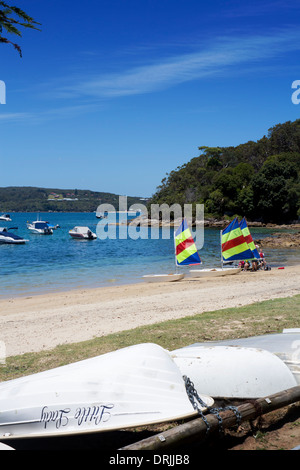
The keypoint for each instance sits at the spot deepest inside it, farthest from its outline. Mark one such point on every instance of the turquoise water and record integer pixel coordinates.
(58, 263)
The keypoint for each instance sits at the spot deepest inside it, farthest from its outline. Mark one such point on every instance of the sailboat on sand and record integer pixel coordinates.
(186, 254)
(236, 244)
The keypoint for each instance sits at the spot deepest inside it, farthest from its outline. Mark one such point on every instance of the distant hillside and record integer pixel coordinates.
(31, 199)
(259, 180)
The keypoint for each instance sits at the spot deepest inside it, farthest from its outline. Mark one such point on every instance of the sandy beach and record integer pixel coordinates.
(35, 323)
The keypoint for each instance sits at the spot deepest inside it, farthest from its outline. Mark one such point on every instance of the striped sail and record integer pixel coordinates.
(234, 245)
(248, 237)
(185, 248)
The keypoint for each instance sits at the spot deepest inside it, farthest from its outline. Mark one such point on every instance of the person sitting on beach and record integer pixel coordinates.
(247, 265)
(254, 265)
(262, 259)
(242, 264)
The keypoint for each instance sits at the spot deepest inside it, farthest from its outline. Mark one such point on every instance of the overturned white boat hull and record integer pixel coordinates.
(133, 386)
(163, 277)
(214, 272)
(234, 371)
(285, 345)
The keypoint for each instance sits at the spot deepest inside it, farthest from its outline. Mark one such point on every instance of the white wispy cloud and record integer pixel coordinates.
(47, 114)
(15, 116)
(226, 53)
(224, 56)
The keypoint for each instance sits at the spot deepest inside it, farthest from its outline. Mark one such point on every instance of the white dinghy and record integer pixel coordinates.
(234, 372)
(285, 345)
(134, 386)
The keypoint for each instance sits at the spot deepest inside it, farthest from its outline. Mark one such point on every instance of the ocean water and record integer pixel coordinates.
(50, 263)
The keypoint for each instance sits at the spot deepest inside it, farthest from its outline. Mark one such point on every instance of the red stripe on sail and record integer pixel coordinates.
(233, 243)
(183, 245)
(248, 238)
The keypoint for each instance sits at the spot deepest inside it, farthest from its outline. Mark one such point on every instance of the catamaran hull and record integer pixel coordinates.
(216, 272)
(163, 277)
(130, 387)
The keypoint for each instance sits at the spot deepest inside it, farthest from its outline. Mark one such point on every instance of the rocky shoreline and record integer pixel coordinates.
(288, 238)
(282, 240)
(147, 222)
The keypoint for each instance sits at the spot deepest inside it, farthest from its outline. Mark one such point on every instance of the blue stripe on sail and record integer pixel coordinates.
(182, 227)
(247, 254)
(193, 259)
(233, 225)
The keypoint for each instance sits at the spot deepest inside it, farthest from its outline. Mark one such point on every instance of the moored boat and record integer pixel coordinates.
(39, 227)
(5, 217)
(8, 237)
(82, 233)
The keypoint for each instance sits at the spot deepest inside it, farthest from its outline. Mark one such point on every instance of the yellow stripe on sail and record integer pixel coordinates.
(235, 250)
(231, 235)
(186, 253)
(182, 236)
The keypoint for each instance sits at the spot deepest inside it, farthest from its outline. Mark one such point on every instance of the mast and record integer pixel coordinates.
(174, 239)
(221, 248)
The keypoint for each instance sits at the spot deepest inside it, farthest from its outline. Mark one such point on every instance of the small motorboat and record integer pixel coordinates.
(6, 236)
(130, 387)
(82, 233)
(40, 227)
(101, 215)
(5, 217)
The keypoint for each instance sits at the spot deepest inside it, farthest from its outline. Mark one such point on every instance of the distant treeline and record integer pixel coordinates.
(259, 180)
(31, 199)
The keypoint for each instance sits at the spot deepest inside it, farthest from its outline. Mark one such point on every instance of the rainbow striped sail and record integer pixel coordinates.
(234, 245)
(248, 237)
(185, 248)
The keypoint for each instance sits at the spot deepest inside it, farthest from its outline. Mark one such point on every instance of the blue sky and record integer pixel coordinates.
(113, 94)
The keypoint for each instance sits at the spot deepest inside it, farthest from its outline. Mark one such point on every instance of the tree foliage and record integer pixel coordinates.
(11, 19)
(259, 180)
(32, 199)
